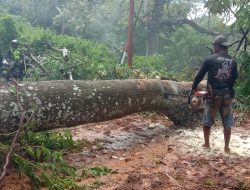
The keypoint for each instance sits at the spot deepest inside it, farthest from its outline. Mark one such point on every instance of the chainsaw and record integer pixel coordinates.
(195, 100)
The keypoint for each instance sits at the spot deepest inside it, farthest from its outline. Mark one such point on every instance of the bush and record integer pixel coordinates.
(8, 32)
(243, 82)
(143, 67)
(87, 59)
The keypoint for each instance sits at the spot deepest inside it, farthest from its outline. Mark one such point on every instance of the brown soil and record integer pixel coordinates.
(147, 152)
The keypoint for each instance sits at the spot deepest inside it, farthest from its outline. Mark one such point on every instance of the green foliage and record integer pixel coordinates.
(143, 67)
(53, 172)
(180, 8)
(243, 14)
(226, 7)
(42, 162)
(39, 156)
(40, 159)
(150, 64)
(8, 31)
(88, 60)
(244, 70)
(64, 22)
(53, 141)
(96, 171)
(220, 6)
(210, 183)
(243, 82)
(187, 49)
(3, 150)
(3, 147)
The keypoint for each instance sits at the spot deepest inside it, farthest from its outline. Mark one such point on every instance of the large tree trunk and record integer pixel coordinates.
(55, 104)
(153, 34)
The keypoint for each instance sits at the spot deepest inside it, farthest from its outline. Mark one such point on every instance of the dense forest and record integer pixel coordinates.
(171, 39)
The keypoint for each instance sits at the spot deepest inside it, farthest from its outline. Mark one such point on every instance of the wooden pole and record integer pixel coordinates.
(130, 33)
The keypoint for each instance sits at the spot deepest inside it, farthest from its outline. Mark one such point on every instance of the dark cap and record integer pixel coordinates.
(222, 40)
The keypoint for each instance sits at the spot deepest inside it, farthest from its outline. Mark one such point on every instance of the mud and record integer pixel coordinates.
(147, 152)
(137, 131)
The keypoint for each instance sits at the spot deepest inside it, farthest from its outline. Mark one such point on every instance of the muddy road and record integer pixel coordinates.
(147, 152)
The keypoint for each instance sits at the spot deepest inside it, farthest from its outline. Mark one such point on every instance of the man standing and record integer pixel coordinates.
(222, 73)
(15, 58)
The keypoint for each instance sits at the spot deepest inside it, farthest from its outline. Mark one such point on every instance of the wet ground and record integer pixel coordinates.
(147, 152)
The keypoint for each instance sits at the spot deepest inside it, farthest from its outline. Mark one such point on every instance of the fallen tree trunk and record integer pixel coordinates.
(55, 104)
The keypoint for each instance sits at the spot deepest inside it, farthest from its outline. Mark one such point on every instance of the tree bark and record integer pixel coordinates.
(56, 104)
(153, 34)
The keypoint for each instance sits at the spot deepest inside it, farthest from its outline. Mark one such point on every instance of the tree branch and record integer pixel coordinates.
(21, 125)
(34, 59)
(244, 37)
(194, 25)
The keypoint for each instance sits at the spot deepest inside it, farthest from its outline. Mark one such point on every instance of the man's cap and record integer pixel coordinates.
(222, 40)
(14, 41)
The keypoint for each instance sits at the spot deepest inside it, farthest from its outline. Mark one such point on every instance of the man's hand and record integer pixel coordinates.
(191, 93)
